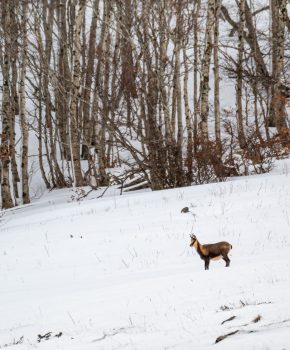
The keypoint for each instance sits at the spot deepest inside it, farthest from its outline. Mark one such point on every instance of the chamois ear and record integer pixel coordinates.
(192, 236)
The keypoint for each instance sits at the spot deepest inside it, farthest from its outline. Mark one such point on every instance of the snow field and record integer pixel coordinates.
(118, 273)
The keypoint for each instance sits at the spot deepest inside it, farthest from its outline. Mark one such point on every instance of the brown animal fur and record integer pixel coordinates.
(213, 251)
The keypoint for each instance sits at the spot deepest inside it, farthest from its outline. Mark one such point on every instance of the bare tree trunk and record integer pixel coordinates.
(255, 92)
(128, 84)
(40, 152)
(64, 76)
(87, 122)
(204, 108)
(5, 150)
(46, 54)
(100, 113)
(216, 74)
(178, 160)
(22, 112)
(153, 135)
(163, 44)
(189, 158)
(278, 99)
(14, 97)
(239, 84)
(41, 98)
(115, 96)
(195, 76)
(75, 91)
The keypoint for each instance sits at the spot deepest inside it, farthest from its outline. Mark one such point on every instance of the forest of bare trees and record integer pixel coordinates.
(140, 85)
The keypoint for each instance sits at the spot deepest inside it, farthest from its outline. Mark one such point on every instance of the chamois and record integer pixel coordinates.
(209, 252)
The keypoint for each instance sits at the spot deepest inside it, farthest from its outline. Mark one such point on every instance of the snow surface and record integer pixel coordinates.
(117, 272)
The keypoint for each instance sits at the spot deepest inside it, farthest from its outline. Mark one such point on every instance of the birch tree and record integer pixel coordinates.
(239, 84)
(204, 108)
(22, 98)
(5, 149)
(75, 93)
(216, 73)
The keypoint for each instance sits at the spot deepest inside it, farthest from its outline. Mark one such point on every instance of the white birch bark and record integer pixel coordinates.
(204, 108)
(75, 93)
(22, 112)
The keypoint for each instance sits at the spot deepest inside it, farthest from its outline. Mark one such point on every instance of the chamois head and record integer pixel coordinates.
(193, 239)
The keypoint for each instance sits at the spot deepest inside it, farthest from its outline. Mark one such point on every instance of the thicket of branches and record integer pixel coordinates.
(129, 83)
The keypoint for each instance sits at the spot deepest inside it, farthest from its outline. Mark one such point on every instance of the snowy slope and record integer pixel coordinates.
(118, 273)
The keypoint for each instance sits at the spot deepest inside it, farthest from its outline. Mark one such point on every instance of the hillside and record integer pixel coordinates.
(174, 93)
(118, 273)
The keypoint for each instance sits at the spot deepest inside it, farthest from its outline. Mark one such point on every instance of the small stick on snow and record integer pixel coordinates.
(222, 337)
(228, 319)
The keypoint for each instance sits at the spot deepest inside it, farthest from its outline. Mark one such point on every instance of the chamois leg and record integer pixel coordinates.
(226, 259)
(206, 263)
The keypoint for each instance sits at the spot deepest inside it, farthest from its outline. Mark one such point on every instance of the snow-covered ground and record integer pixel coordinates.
(117, 272)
